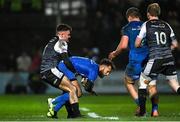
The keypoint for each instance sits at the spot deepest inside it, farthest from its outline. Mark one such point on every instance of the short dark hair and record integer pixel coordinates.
(154, 9)
(63, 27)
(107, 62)
(133, 12)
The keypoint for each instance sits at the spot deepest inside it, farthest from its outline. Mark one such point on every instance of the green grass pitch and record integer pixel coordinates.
(34, 107)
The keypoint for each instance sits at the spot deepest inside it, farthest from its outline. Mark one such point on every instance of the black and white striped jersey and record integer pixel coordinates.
(159, 36)
(52, 53)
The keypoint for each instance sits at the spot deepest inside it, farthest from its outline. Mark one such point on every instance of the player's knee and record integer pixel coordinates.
(143, 81)
(73, 89)
(152, 90)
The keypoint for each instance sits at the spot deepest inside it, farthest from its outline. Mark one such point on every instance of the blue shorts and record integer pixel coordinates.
(133, 71)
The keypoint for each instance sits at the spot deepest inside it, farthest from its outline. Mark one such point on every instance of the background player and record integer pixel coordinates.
(137, 56)
(89, 70)
(161, 39)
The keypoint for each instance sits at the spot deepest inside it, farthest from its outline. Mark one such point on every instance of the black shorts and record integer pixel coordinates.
(53, 77)
(160, 66)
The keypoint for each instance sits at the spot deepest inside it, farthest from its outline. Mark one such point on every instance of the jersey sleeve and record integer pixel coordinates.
(70, 75)
(61, 47)
(92, 76)
(124, 31)
(172, 35)
(142, 32)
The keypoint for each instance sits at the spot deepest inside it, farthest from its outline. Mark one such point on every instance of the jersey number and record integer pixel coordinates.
(160, 37)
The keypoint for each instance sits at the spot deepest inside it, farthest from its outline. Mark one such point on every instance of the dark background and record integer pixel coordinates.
(27, 26)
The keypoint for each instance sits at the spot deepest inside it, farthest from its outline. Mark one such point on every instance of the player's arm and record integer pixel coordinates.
(69, 74)
(141, 35)
(123, 44)
(174, 43)
(67, 62)
(61, 47)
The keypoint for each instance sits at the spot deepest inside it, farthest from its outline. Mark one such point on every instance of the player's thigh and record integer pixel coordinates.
(171, 76)
(128, 80)
(132, 74)
(52, 77)
(78, 87)
(66, 85)
(153, 67)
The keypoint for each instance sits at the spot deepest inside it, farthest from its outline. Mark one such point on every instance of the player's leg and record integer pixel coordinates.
(151, 67)
(58, 80)
(66, 85)
(57, 103)
(174, 84)
(171, 76)
(153, 95)
(78, 88)
(142, 93)
(131, 89)
(129, 84)
(67, 104)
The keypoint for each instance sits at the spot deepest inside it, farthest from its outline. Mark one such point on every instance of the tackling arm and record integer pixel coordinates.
(67, 62)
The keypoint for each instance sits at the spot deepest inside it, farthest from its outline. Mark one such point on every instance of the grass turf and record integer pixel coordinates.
(34, 107)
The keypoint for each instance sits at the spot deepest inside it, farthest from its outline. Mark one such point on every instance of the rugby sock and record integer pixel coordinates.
(154, 101)
(75, 108)
(60, 101)
(136, 101)
(142, 101)
(178, 90)
(69, 109)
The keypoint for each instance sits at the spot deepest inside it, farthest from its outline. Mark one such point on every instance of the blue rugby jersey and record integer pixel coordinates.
(136, 55)
(84, 66)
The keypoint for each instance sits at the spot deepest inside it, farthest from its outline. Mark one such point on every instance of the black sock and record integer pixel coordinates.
(178, 90)
(69, 109)
(75, 108)
(142, 101)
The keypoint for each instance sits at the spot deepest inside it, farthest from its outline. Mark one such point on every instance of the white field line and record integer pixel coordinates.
(84, 109)
(94, 115)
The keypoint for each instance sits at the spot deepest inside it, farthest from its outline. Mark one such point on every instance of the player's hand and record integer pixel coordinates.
(112, 55)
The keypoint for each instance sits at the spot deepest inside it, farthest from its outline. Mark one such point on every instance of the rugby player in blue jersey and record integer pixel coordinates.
(86, 68)
(137, 56)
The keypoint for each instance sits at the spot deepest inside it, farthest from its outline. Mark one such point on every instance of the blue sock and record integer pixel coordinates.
(154, 101)
(137, 101)
(154, 107)
(60, 101)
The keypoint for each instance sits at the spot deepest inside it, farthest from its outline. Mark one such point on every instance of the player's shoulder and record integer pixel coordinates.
(54, 39)
(126, 27)
(132, 24)
(164, 22)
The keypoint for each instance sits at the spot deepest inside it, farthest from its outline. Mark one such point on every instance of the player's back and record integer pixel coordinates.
(158, 39)
(131, 30)
(49, 56)
(84, 66)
